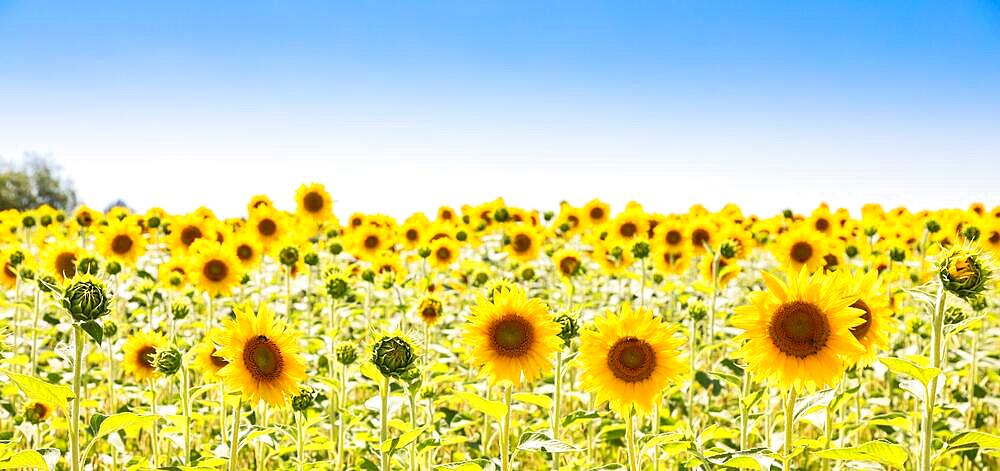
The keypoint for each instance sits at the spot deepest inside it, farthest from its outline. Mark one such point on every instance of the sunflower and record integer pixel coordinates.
(121, 240)
(38, 412)
(569, 221)
(801, 247)
(667, 261)
(263, 355)
(269, 226)
(85, 217)
(871, 298)
(512, 337)
(669, 234)
(821, 220)
(727, 270)
(185, 230)
(368, 241)
(413, 231)
(797, 334)
(525, 242)
(596, 212)
(60, 257)
(173, 274)
(444, 252)
(207, 359)
(430, 310)
(629, 358)
(629, 226)
(569, 262)
(701, 231)
(247, 249)
(314, 202)
(446, 215)
(387, 264)
(215, 268)
(614, 258)
(9, 274)
(139, 352)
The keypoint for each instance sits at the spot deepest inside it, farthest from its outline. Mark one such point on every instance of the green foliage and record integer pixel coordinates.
(33, 182)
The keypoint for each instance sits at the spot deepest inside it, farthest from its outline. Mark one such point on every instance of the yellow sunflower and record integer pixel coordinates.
(702, 231)
(512, 337)
(798, 334)
(259, 202)
(413, 231)
(185, 230)
(207, 359)
(569, 262)
(60, 257)
(215, 268)
(263, 355)
(247, 249)
(525, 242)
(727, 270)
(9, 274)
(670, 235)
(596, 212)
(629, 358)
(801, 247)
(269, 226)
(139, 352)
(121, 241)
(444, 252)
(667, 261)
(870, 298)
(368, 241)
(629, 226)
(314, 202)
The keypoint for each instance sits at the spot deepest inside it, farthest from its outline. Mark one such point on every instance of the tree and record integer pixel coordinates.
(35, 181)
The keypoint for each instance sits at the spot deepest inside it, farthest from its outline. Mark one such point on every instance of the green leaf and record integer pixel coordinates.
(578, 415)
(495, 409)
(94, 329)
(402, 440)
(760, 459)
(911, 369)
(806, 404)
(540, 442)
(370, 371)
(26, 459)
(474, 465)
(116, 422)
(540, 400)
(879, 451)
(41, 391)
(730, 378)
(972, 440)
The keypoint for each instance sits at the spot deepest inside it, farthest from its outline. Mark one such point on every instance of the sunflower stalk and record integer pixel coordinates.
(234, 442)
(931, 389)
(633, 455)
(384, 456)
(789, 428)
(505, 430)
(74, 423)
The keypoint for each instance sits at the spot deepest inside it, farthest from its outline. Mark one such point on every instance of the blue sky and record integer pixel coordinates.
(400, 106)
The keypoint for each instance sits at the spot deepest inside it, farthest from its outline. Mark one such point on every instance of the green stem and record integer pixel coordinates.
(299, 445)
(789, 427)
(155, 439)
(186, 406)
(505, 431)
(633, 458)
(935, 356)
(234, 441)
(341, 396)
(384, 423)
(74, 422)
(34, 331)
(556, 418)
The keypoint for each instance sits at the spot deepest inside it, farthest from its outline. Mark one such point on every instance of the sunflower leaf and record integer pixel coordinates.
(541, 442)
(30, 459)
(495, 409)
(41, 391)
(908, 368)
(879, 451)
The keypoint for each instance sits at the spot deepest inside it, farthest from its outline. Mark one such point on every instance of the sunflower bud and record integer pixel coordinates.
(311, 259)
(47, 283)
(113, 268)
(393, 356)
(897, 254)
(657, 278)
(871, 231)
(347, 353)
(970, 233)
(501, 215)
(787, 214)
(616, 253)
(963, 273)
(461, 236)
(932, 226)
(640, 250)
(86, 300)
(88, 266)
(954, 315)
(698, 310)
(180, 310)
(28, 221)
(368, 275)
(979, 303)
(727, 249)
(168, 361)
(288, 256)
(27, 274)
(303, 400)
(110, 329)
(570, 328)
(480, 279)
(851, 251)
(153, 222)
(527, 274)
(336, 248)
(424, 252)
(548, 215)
(16, 258)
(46, 220)
(337, 287)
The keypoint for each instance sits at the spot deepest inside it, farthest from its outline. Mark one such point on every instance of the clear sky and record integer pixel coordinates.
(400, 106)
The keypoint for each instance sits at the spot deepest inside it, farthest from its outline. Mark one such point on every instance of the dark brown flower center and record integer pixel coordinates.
(568, 265)
(822, 224)
(267, 227)
(447, 215)
(262, 358)
(596, 213)
(801, 252)
(429, 313)
(189, 234)
(312, 202)
(371, 242)
(628, 229)
(700, 237)
(674, 237)
(215, 270)
(145, 356)
(632, 360)
(244, 252)
(511, 336)
(121, 244)
(799, 329)
(412, 235)
(66, 264)
(995, 237)
(522, 243)
(443, 254)
(860, 331)
(9, 270)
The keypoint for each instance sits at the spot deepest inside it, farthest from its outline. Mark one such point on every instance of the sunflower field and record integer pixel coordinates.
(492, 337)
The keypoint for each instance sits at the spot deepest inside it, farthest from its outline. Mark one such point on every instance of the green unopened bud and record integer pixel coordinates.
(461, 236)
(871, 231)
(954, 315)
(332, 233)
(570, 328)
(616, 252)
(304, 399)
(963, 272)
(548, 215)
(564, 227)
(153, 222)
(970, 233)
(88, 266)
(501, 215)
(480, 279)
(86, 300)
(787, 214)
(180, 310)
(424, 252)
(347, 353)
(16, 257)
(897, 254)
(851, 251)
(337, 287)
(979, 303)
(113, 268)
(45, 220)
(657, 278)
(336, 248)
(168, 361)
(640, 250)
(47, 283)
(698, 310)
(28, 221)
(728, 249)
(932, 226)
(368, 275)
(110, 329)
(527, 274)
(27, 274)
(288, 256)
(393, 356)
(311, 259)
